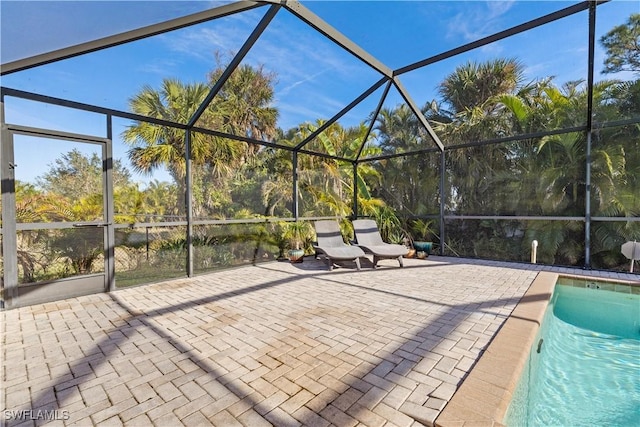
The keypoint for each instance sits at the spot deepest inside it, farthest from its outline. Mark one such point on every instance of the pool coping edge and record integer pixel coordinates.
(484, 396)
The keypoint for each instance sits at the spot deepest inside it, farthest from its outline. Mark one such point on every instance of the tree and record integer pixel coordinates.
(550, 171)
(154, 146)
(277, 191)
(157, 200)
(400, 131)
(622, 46)
(473, 83)
(472, 91)
(410, 183)
(33, 252)
(75, 175)
(327, 184)
(71, 190)
(242, 107)
(35, 205)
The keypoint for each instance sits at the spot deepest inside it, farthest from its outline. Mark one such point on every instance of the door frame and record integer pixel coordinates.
(15, 295)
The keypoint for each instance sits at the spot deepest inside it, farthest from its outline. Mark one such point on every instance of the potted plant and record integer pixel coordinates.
(297, 233)
(422, 232)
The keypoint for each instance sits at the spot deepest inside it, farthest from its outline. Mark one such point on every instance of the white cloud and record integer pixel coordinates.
(293, 85)
(160, 67)
(479, 20)
(498, 8)
(307, 65)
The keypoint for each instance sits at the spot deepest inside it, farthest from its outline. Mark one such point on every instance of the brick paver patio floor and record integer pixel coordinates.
(273, 344)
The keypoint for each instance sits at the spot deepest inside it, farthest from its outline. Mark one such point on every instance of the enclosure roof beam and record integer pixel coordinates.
(523, 137)
(126, 37)
(396, 155)
(6, 91)
(237, 59)
(268, 144)
(239, 138)
(533, 135)
(334, 35)
(374, 116)
(616, 123)
(342, 112)
(499, 36)
(325, 156)
(416, 110)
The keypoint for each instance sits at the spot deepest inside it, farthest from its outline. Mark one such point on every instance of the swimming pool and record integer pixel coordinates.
(584, 367)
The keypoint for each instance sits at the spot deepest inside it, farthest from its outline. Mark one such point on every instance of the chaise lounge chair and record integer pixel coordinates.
(332, 246)
(369, 239)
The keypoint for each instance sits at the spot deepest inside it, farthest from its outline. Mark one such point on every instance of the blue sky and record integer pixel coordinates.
(315, 78)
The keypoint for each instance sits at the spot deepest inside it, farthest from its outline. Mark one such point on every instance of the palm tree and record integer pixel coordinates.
(411, 183)
(244, 104)
(155, 146)
(473, 83)
(129, 206)
(157, 200)
(471, 92)
(277, 191)
(242, 107)
(615, 172)
(551, 170)
(329, 182)
(399, 130)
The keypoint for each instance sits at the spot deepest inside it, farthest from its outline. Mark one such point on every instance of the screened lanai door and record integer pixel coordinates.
(57, 228)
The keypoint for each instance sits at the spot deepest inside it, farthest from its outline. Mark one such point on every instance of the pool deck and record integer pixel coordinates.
(273, 344)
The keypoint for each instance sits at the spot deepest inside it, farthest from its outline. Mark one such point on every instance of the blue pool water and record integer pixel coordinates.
(587, 372)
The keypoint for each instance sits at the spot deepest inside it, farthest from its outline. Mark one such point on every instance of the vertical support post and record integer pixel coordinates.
(590, 72)
(355, 191)
(294, 207)
(9, 234)
(188, 201)
(109, 214)
(442, 198)
(587, 204)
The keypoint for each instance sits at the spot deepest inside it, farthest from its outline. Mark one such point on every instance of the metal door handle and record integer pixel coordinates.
(91, 224)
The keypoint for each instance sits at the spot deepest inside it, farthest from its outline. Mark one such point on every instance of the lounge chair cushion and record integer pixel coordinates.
(384, 251)
(330, 243)
(368, 238)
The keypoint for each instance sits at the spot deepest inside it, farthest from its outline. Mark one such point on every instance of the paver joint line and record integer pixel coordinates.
(272, 344)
